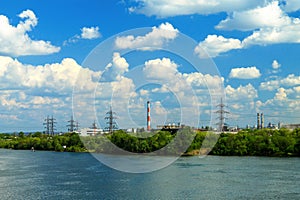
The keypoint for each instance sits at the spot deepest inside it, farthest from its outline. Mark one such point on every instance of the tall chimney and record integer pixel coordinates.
(258, 121)
(148, 116)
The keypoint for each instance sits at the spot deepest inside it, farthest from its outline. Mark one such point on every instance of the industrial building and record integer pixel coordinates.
(291, 126)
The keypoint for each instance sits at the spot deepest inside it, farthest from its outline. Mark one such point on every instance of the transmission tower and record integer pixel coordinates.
(73, 125)
(110, 118)
(50, 125)
(222, 114)
(47, 125)
(94, 128)
(77, 126)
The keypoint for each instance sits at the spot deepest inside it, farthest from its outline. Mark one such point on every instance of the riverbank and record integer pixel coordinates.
(265, 142)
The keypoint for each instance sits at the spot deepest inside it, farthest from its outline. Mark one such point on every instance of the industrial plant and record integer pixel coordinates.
(173, 127)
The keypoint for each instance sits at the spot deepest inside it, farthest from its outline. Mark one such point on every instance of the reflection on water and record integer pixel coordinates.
(51, 175)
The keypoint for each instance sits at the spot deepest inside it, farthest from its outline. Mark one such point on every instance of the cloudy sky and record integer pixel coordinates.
(76, 57)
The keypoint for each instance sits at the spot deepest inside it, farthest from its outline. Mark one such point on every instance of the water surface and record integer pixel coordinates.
(53, 175)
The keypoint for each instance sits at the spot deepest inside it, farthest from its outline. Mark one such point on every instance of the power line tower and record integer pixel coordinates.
(50, 125)
(222, 112)
(110, 118)
(94, 128)
(73, 125)
(47, 125)
(77, 126)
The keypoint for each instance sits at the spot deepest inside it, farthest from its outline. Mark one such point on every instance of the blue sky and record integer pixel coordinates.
(47, 49)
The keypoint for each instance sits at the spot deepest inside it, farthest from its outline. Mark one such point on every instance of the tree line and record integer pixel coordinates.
(38, 141)
(265, 142)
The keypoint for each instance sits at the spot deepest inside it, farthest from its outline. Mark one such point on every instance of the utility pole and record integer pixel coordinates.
(110, 118)
(221, 117)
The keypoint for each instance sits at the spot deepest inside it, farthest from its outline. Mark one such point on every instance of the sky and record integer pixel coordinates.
(79, 58)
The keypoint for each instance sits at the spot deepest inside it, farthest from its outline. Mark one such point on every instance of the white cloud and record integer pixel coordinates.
(160, 69)
(154, 39)
(247, 92)
(280, 29)
(270, 23)
(197, 79)
(245, 73)
(297, 89)
(15, 41)
(123, 88)
(39, 101)
(90, 33)
(276, 65)
(166, 8)
(115, 69)
(144, 92)
(56, 77)
(159, 109)
(86, 33)
(214, 45)
(266, 36)
(281, 94)
(270, 15)
(290, 81)
(291, 5)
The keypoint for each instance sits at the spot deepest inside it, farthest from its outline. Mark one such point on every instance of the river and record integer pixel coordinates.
(53, 175)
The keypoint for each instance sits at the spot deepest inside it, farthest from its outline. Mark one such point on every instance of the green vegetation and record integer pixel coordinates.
(141, 142)
(264, 142)
(41, 141)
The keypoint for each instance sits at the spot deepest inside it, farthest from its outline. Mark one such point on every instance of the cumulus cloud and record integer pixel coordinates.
(245, 73)
(270, 25)
(56, 77)
(281, 94)
(191, 89)
(86, 34)
(214, 45)
(241, 93)
(166, 8)
(266, 36)
(90, 33)
(275, 64)
(154, 39)
(15, 41)
(281, 29)
(297, 89)
(160, 69)
(115, 69)
(270, 15)
(198, 79)
(42, 89)
(290, 81)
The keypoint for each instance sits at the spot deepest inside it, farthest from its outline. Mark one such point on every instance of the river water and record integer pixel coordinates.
(53, 175)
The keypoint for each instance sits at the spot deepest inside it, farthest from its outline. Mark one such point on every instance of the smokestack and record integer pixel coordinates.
(148, 116)
(258, 121)
(262, 121)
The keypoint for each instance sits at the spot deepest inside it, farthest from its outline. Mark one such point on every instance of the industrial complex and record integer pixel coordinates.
(110, 118)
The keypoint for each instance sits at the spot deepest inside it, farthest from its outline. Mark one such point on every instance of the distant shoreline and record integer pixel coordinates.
(265, 142)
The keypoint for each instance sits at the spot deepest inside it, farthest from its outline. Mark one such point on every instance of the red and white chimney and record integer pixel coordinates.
(148, 116)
